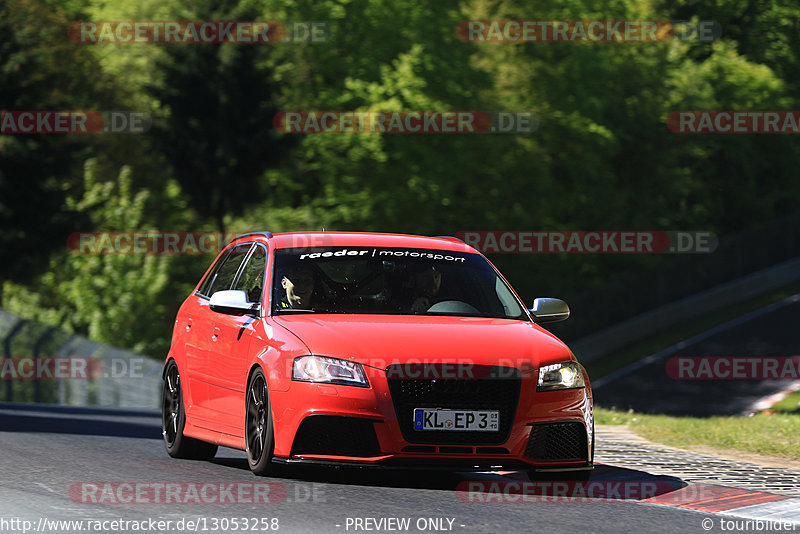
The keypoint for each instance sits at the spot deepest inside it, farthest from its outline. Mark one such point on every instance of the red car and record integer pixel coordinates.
(372, 349)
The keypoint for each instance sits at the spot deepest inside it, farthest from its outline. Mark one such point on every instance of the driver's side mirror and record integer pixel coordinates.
(232, 302)
(546, 310)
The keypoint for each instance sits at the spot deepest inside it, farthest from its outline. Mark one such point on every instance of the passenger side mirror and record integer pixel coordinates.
(546, 310)
(232, 302)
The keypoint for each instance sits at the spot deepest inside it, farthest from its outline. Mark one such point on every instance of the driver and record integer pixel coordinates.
(424, 286)
(298, 282)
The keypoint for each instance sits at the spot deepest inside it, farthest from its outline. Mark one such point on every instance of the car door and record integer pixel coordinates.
(231, 347)
(194, 320)
(201, 364)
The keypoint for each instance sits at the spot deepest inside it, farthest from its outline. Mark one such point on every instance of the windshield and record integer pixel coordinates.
(398, 281)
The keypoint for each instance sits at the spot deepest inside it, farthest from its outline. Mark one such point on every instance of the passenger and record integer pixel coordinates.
(423, 287)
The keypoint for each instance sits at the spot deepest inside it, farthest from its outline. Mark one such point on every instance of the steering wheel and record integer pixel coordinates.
(344, 293)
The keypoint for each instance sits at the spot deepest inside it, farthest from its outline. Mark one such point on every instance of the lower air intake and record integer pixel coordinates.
(557, 442)
(336, 436)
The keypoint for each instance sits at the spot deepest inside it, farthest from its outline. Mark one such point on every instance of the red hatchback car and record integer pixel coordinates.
(372, 349)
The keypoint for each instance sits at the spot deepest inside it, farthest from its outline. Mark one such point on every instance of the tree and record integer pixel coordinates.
(216, 132)
(40, 70)
(123, 299)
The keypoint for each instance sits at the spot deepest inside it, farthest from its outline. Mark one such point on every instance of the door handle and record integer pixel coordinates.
(217, 332)
(189, 325)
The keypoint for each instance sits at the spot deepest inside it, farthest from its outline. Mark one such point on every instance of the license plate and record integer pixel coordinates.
(466, 420)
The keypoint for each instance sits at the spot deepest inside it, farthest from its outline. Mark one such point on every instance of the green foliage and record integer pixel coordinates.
(601, 157)
(119, 299)
(217, 133)
(39, 70)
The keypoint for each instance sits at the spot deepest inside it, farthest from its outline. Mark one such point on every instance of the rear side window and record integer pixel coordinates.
(221, 277)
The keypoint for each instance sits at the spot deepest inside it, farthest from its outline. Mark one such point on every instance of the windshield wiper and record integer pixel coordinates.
(294, 310)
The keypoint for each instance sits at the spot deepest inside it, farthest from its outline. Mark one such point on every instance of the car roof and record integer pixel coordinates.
(357, 239)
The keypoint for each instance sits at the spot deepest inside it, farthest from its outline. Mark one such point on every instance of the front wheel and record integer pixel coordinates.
(173, 419)
(258, 426)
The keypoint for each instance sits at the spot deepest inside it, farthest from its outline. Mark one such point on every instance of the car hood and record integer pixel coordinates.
(381, 340)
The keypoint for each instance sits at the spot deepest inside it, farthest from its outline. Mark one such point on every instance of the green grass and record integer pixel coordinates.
(774, 435)
(789, 405)
(617, 360)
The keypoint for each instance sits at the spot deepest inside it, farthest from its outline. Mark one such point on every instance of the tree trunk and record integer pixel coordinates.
(221, 223)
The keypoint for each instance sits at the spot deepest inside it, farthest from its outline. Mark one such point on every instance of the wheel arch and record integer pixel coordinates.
(170, 359)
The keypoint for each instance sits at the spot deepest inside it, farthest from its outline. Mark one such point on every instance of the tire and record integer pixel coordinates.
(173, 420)
(259, 432)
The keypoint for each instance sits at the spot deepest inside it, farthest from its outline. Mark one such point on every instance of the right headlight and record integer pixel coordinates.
(566, 375)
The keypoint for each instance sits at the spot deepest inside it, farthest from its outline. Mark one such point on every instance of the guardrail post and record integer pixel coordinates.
(7, 351)
(37, 348)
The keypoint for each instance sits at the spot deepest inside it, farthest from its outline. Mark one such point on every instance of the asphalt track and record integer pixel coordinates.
(49, 452)
(647, 387)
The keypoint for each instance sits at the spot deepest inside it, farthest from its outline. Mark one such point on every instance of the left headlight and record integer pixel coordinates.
(329, 371)
(565, 375)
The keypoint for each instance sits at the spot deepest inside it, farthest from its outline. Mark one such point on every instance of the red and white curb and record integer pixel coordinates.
(736, 502)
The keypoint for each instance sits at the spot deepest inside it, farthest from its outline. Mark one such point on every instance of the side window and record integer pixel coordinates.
(203, 289)
(251, 281)
(222, 277)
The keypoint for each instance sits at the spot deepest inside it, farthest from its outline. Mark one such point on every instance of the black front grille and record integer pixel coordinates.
(491, 450)
(454, 449)
(334, 435)
(557, 441)
(497, 389)
(419, 448)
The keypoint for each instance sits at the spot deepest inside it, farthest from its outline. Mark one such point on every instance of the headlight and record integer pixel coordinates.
(565, 375)
(329, 371)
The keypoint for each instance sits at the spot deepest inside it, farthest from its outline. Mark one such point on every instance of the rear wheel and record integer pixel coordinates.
(258, 427)
(173, 419)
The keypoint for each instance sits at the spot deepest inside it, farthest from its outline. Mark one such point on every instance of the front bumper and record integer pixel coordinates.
(369, 426)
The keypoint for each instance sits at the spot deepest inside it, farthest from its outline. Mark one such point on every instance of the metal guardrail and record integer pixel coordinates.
(636, 293)
(113, 377)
